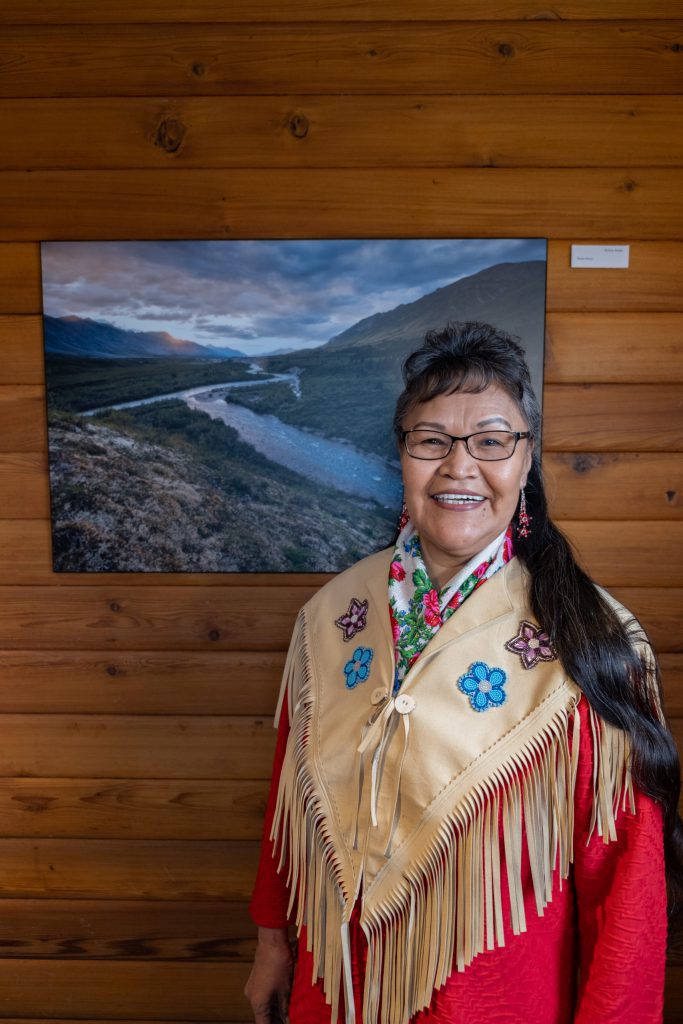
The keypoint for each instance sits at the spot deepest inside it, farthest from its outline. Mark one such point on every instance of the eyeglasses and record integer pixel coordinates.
(485, 445)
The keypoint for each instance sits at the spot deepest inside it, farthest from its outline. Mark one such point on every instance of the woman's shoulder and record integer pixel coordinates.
(362, 581)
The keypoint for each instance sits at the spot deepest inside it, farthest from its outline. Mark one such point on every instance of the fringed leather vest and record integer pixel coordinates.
(396, 800)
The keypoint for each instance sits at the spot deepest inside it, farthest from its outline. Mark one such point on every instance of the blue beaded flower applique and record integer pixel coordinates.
(357, 669)
(483, 686)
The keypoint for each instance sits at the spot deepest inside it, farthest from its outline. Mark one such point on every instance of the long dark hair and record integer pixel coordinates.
(610, 659)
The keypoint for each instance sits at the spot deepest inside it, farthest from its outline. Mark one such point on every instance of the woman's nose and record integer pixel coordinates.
(458, 462)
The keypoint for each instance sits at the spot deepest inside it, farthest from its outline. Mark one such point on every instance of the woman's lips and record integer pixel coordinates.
(460, 500)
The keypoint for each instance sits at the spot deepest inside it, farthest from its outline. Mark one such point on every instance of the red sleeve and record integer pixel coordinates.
(621, 899)
(270, 898)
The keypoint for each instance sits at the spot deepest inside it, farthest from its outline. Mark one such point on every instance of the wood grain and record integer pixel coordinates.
(81, 683)
(126, 869)
(149, 618)
(607, 485)
(613, 417)
(133, 808)
(20, 277)
(341, 131)
(380, 57)
(443, 202)
(672, 681)
(659, 612)
(24, 488)
(126, 929)
(617, 348)
(616, 554)
(580, 485)
(652, 282)
(25, 557)
(134, 747)
(193, 991)
(22, 418)
(140, 683)
(60, 12)
(580, 347)
(188, 619)
(21, 350)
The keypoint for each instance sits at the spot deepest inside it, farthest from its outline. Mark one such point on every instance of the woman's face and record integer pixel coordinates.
(451, 530)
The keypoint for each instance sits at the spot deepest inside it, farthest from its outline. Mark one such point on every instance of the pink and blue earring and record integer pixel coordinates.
(523, 519)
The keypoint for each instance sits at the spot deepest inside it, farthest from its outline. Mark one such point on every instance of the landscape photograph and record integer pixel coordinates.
(226, 406)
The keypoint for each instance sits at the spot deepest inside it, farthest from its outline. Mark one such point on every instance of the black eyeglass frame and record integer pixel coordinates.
(517, 434)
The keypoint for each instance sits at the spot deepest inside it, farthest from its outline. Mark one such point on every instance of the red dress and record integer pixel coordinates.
(596, 956)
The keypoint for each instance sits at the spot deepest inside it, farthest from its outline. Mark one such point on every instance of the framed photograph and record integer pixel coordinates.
(226, 406)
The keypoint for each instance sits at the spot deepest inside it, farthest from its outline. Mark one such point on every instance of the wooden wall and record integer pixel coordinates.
(135, 710)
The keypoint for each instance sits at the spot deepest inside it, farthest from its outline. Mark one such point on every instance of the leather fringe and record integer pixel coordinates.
(449, 908)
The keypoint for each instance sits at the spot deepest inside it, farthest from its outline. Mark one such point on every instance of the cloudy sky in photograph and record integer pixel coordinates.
(258, 296)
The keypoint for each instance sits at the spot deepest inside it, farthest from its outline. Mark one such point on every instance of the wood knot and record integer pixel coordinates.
(170, 135)
(214, 634)
(629, 185)
(372, 53)
(298, 126)
(506, 50)
(584, 463)
(198, 69)
(112, 670)
(676, 47)
(115, 606)
(672, 497)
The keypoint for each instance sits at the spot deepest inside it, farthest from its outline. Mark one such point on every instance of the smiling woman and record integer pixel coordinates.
(461, 495)
(500, 801)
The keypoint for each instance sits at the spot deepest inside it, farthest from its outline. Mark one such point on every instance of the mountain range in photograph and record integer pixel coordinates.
(171, 455)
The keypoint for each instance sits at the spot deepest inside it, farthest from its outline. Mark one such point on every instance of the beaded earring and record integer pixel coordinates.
(523, 519)
(404, 517)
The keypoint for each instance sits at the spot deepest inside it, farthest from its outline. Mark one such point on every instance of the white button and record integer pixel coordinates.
(378, 695)
(404, 704)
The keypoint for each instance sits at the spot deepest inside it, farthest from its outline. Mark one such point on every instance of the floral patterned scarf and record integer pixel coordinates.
(416, 608)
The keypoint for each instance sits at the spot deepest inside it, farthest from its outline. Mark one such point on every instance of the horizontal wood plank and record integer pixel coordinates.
(24, 487)
(659, 612)
(580, 347)
(59, 12)
(607, 485)
(197, 618)
(622, 348)
(443, 202)
(25, 556)
(140, 683)
(613, 417)
(134, 808)
(20, 277)
(125, 929)
(580, 485)
(21, 350)
(381, 57)
(341, 131)
(577, 418)
(187, 683)
(122, 869)
(148, 991)
(671, 666)
(147, 746)
(149, 618)
(22, 418)
(652, 282)
(617, 554)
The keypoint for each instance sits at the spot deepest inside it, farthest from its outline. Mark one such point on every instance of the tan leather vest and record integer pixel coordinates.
(396, 801)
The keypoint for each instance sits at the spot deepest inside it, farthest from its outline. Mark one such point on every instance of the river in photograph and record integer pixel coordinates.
(335, 464)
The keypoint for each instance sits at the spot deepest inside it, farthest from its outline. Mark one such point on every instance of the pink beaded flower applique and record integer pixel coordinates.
(532, 645)
(354, 620)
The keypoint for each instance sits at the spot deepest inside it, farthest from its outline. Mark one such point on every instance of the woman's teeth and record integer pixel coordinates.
(458, 499)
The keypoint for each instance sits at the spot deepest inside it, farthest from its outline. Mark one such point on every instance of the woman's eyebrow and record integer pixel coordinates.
(494, 419)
